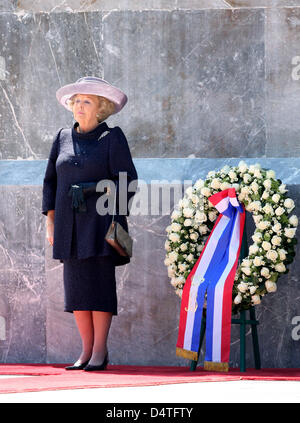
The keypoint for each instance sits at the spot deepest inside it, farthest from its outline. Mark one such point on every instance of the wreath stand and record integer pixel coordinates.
(242, 321)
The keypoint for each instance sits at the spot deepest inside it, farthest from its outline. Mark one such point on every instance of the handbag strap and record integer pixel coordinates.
(115, 200)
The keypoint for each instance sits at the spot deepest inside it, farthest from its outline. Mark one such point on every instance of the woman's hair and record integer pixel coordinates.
(106, 107)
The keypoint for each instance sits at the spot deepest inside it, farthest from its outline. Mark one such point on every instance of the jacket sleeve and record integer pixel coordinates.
(120, 160)
(50, 179)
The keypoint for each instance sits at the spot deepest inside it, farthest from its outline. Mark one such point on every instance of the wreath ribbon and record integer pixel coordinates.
(213, 274)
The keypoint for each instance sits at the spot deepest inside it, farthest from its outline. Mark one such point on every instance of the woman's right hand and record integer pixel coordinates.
(50, 227)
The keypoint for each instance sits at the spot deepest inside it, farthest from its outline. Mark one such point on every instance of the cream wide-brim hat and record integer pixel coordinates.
(95, 86)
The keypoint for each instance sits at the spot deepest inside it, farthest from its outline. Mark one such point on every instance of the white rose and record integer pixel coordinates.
(257, 261)
(277, 227)
(266, 245)
(268, 209)
(246, 270)
(199, 184)
(282, 254)
(200, 247)
(265, 195)
(225, 169)
(272, 255)
(255, 299)
(194, 236)
(263, 225)
(254, 206)
(289, 232)
(253, 249)
(271, 174)
(200, 216)
(276, 198)
(195, 199)
(252, 289)
(190, 257)
(242, 166)
(168, 229)
(203, 229)
(167, 246)
(252, 169)
(180, 280)
(211, 174)
(183, 247)
(232, 175)
(188, 212)
(187, 222)
(282, 189)
(257, 218)
(279, 211)
(293, 220)
(181, 267)
(171, 272)
(280, 267)
(254, 186)
(215, 183)
(175, 227)
(246, 262)
(238, 299)
(257, 173)
(267, 184)
(245, 190)
(175, 214)
(174, 237)
(289, 203)
(265, 272)
(167, 261)
(183, 202)
(276, 240)
(173, 256)
(257, 237)
(242, 287)
(206, 192)
(212, 216)
(247, 178)
(225, 185)
(270, 286)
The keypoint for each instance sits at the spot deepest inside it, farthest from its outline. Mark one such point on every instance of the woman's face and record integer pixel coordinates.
(86, 108)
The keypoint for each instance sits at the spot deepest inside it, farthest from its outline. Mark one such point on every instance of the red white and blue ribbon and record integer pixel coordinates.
(213, 274)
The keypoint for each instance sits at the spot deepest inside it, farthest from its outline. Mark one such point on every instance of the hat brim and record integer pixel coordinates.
(106, 90)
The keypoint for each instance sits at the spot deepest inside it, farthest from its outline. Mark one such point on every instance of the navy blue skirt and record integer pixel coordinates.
(90, 283)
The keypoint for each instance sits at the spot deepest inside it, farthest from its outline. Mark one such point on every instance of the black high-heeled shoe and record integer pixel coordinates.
(79, 367)
(92, 367)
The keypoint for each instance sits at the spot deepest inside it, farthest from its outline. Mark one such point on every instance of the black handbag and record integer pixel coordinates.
(118, 237)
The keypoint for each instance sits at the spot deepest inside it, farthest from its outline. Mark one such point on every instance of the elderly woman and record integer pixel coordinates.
(80, 157)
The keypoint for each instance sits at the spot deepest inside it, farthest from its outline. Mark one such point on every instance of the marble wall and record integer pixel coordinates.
(208, 83)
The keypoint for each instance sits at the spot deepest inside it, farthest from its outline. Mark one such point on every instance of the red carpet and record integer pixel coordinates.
(48, 377)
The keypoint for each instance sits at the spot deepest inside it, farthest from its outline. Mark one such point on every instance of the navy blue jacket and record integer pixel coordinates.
(98, 158)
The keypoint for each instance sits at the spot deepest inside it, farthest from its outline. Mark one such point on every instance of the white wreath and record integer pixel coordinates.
(273, 240)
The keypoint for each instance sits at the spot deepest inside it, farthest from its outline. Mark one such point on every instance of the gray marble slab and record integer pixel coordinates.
(282, 82)
(209, 83)
(92, 5)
